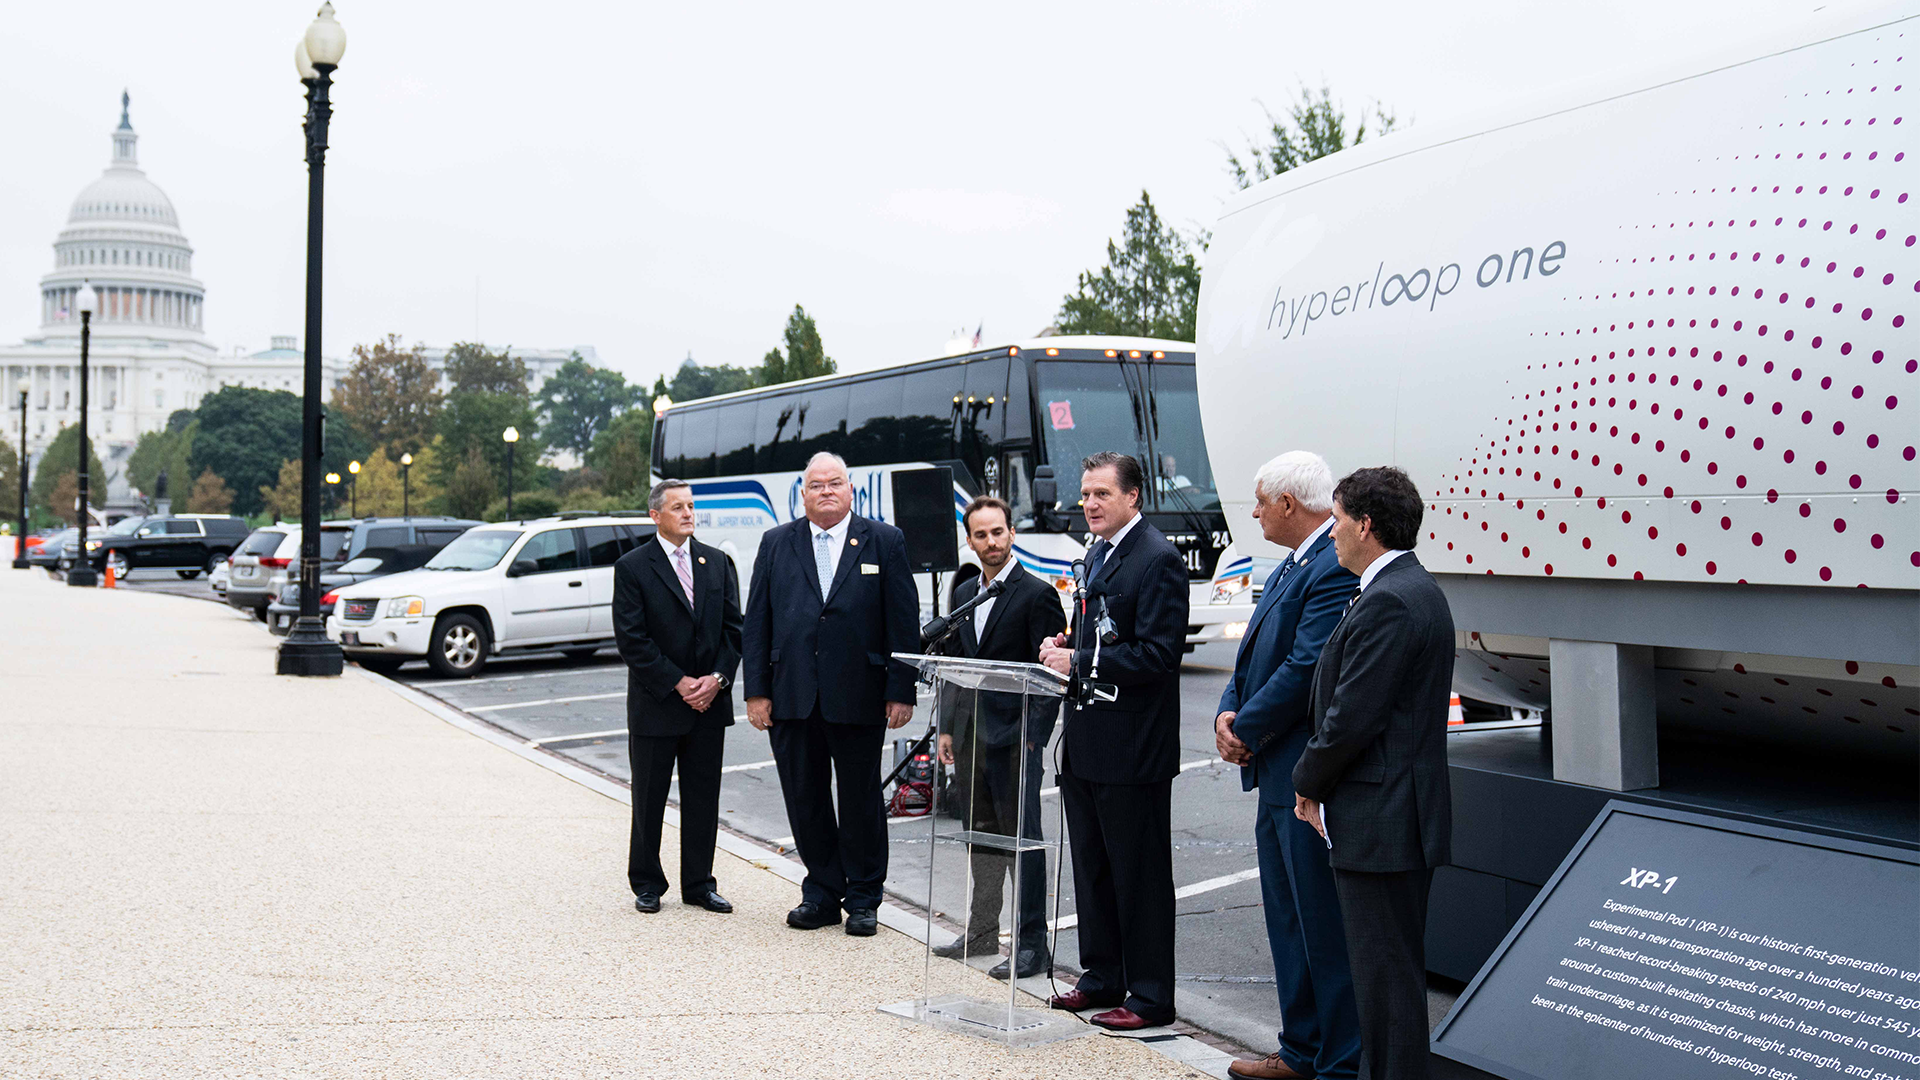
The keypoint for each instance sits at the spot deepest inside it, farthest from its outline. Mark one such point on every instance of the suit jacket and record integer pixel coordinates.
(800, 651)
(1272, 684)
(1024, 616)
(1136, 738)
(661, 638)
(1378, 756)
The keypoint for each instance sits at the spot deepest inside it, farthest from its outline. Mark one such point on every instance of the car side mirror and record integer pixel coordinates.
(1046, 490)
(522, 567)
(146, 532)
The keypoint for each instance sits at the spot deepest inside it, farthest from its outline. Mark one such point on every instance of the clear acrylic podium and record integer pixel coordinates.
(985, 850)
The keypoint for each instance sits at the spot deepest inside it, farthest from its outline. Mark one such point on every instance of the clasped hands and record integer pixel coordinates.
(698, 693)
(1056, 654)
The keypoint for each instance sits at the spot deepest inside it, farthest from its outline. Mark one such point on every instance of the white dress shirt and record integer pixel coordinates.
(1122, 534)
(1300, 553)
(1373, 568)
(670, 549)
(986, 606)
(836, 541)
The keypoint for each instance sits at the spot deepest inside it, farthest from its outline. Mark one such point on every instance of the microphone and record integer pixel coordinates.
(1080, 573)
(942, 625)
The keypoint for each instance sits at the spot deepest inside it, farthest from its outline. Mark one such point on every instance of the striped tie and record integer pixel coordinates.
(823, 563)
(681, 568)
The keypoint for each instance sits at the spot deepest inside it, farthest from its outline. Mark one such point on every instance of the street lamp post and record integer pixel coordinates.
(306, 649)
(333, 493)
(406, 474)
(510, 436)
(20, 549)
(82, 573)
(353, 492)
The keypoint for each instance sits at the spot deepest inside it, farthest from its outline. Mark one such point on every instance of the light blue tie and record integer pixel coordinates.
(823, 563)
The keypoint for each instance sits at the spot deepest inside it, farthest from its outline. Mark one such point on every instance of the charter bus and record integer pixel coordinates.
(1000, 418)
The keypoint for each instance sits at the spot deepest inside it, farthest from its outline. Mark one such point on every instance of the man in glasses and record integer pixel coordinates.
(831, 599)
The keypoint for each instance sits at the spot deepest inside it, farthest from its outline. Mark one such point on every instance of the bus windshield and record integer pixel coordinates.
(1149, 410)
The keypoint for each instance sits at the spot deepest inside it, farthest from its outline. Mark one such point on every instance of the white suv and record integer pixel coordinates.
(544, 585)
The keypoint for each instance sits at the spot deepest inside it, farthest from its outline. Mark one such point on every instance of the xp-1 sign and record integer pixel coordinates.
(1772, 953)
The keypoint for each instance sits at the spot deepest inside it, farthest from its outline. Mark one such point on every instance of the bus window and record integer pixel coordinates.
(1182, 474)
(698, 430)
(733, 442)
(926, 414)
(873, 421)
(666, 446)
(1016, 487)
(1084, 408)
(826, 421)
(1019, 403)
(775, 421)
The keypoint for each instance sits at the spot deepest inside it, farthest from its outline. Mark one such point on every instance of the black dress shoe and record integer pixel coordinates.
(961, 948)
(863, 922)
(811, 916)
(647, 902)
(1031, 962)
(710, 900)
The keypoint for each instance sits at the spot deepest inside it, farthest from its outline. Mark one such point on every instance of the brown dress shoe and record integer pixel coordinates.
(1267, 1068)
(1076, 1000)
(1122, 1019)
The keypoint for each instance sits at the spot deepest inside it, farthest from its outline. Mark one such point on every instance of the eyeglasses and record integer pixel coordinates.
(817, 486)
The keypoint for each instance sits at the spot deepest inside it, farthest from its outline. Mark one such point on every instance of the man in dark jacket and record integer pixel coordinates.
(1120, 757)
(1373, 778)
(676, 618)
(832, 600)
(999, 769)
(1264, 721)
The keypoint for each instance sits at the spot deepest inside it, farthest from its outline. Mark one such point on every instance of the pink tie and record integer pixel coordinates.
(686, 574)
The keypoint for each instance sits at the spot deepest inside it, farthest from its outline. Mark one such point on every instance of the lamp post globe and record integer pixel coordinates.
(83, 574)
(306, 650)
(510, 436)
(406, 474)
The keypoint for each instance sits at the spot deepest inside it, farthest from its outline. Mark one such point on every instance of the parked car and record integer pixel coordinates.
(369, 564)
(541, 585)
(218, 579)
(185, 543)
(267, 555)
(255, 587)
(51, 548)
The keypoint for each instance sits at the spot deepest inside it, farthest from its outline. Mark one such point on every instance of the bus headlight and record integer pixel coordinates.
(1227, 589)
(408, 606)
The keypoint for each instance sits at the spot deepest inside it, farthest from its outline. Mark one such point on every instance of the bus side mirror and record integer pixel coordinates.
(1046, 490)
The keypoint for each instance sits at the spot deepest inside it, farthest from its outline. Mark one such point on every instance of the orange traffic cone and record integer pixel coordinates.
(107, 583)
(1456, 716)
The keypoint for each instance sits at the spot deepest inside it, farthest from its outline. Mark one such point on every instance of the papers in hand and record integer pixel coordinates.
(1325, 833)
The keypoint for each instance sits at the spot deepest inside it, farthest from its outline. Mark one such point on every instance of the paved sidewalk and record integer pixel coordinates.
(207, 870)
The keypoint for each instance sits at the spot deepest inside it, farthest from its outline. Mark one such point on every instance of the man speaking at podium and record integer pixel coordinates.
(1120, 757)
(988, 750)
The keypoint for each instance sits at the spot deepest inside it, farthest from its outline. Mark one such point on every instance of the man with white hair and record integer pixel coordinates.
(832, 599)
(1264, 723)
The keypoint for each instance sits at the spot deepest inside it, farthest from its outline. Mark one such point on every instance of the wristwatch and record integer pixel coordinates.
(725, 683)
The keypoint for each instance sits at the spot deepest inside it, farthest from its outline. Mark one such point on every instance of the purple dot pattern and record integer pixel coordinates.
(1723, 390)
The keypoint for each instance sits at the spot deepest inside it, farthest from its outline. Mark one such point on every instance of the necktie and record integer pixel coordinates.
(823, 563)
(1096, 559)
(681, 568)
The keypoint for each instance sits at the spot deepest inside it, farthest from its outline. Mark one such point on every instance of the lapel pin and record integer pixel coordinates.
(851, 542)
(703, 560)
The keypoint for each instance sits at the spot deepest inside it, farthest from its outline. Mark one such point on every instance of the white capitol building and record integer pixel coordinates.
(149, 354)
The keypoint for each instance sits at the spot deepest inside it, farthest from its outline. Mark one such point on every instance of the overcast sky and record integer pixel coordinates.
(657, 179)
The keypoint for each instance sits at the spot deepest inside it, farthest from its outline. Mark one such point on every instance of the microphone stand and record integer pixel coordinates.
(933, 638)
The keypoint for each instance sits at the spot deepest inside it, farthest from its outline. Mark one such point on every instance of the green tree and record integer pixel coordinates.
(1150, 287)
(61, 458)
(471, 369)
(167, 453)
(243, 434)
(1315, 126)
(580, 400)
(805, 357)
(473, 423)
(693, 380)
(178, 419)
(210, 495)
(470, 488)
(622, 452)
(391, 394)
(280, 501)
(9, 485)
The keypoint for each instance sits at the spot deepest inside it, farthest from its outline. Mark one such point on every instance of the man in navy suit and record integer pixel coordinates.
(832, 599)
(1264, 723)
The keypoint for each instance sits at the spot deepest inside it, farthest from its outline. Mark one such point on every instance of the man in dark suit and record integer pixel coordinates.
(676, 618)
(832, 600)
(1120, 757)
(1373, 778)
(1265, 719)
(1000, 771)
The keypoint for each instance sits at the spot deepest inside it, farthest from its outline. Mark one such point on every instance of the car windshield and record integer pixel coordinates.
(475, 550)
(365, 564)
(125, 526)
(333, 542)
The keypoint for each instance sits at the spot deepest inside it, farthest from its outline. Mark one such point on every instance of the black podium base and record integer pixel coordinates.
(84, 577)
(309, 651)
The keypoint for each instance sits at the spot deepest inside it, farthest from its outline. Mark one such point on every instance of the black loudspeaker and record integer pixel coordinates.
(923, 509)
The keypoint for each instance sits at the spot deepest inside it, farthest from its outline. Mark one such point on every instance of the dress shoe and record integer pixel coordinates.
(710, 900)
(1122, 1019)
(961, 948)
(863, 922)
(1030, 962)
(647, 902)
(811, 916)
(1267, 1068)
(1077, 1000)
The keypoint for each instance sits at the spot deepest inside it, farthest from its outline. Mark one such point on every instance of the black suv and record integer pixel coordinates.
(184, 543)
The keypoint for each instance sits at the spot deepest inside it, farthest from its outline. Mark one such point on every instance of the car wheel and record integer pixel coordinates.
(458, 648)
(117, 562)
(380, 665)
(213, 563)
(187, 575)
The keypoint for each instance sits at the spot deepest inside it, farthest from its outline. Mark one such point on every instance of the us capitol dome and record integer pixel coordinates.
(149, 354)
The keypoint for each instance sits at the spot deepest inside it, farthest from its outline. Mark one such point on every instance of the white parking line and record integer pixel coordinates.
(543, 701)
(534, 675)
(582, 735)
(1188, 767)
(1067, 922)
